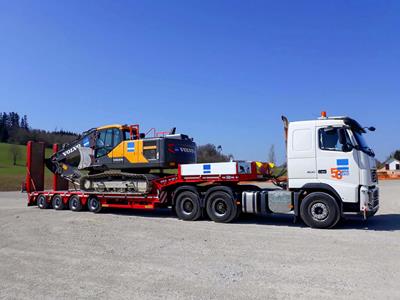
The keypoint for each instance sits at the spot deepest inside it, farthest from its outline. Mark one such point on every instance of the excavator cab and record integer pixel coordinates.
(106, 141)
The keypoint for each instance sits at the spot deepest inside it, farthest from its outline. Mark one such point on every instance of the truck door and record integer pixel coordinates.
(336, 165)
(302, 165)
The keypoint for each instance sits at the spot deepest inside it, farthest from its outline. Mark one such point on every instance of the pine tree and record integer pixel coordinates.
(271, 154)
(14, 120)
(24, 122)
(4, 135)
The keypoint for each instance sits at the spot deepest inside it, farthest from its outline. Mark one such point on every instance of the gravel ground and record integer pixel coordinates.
(140, 255)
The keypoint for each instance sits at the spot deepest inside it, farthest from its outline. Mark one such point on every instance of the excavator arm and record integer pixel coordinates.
(73, 157)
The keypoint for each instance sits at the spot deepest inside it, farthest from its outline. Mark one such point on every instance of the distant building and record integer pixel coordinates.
(392, 165)
(390, 170)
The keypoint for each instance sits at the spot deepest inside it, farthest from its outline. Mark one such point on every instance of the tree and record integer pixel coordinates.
(271, 154)
(379, 164)
(396, 154)
(13, 120)
(15, 152)
(24, 123)
(3, 128)
(210, 153)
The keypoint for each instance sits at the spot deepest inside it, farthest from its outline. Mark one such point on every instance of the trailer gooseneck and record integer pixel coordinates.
(331, 172)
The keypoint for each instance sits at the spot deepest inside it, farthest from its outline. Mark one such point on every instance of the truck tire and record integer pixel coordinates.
(75, 203)
(221, 207)
(187, 206)
(57, 202)
(94, 205)
(319, 210)
(42, 202)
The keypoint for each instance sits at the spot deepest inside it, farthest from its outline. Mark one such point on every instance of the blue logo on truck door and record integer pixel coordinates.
(342, 169)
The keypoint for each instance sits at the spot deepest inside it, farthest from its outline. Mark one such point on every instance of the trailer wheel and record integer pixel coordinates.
(221, 207)
(42, 202)
(94, 205)
(187, 206)
(319, 210)
(75, 203)
(57, 202)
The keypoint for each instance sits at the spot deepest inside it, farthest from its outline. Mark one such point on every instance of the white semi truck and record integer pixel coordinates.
(331, 169)
(331, 172)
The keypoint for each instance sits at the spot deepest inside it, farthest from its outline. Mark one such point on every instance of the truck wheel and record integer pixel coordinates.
(319, 210)
(42, 202)
(221, 207)
(75, 203)
(94, 204)
(187, 206)
(57, 202)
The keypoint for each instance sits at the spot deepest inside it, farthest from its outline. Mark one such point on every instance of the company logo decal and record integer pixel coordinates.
(206, 169)
(130, 147)
(86, 142)
(342, 169)
(73, 149)
(172, 148)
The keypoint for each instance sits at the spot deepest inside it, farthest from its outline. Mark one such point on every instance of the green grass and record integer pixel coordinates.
(11, 177)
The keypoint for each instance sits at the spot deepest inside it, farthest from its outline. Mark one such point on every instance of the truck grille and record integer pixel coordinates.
(375, 197)
(374, 176)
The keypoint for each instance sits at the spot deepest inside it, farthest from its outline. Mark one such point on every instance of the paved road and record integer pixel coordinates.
(136, 255)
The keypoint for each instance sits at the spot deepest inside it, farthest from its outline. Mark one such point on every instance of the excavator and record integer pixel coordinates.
(119, 158)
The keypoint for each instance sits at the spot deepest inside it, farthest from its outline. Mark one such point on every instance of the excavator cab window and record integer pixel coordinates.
(117, 137)
(107, 140)
(127, 135)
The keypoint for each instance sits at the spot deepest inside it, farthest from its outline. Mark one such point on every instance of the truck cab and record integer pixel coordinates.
(330, 156)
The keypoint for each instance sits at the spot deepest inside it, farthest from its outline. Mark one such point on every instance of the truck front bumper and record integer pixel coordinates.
(369, 200)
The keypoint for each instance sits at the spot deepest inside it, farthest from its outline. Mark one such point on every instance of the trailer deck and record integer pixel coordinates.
(203, 176)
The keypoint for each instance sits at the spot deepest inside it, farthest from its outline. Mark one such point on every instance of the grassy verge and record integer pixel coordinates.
(12, 177)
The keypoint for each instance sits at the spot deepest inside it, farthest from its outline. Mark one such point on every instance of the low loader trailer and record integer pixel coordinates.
(331, 172)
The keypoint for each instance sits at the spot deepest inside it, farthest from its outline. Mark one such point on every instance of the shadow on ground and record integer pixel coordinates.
(386, 222)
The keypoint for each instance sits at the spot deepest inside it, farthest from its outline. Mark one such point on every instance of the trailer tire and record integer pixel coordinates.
(57, 202)
(75, 203)
(42, 202)
(319, 210)
(94, 205)
(188, 206)
(221, 207)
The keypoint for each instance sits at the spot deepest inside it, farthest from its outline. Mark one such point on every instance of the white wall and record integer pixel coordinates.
(392, 165)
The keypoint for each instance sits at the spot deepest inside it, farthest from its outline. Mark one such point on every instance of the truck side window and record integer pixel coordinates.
(329, 139)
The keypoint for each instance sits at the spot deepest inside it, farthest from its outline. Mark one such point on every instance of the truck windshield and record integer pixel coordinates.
(362, 144)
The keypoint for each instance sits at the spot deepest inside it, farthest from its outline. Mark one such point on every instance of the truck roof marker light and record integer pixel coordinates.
(323, 114)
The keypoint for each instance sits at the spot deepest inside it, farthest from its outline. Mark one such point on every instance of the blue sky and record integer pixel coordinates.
(222, 71)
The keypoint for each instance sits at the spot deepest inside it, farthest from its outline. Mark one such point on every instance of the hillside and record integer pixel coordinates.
(11, 177)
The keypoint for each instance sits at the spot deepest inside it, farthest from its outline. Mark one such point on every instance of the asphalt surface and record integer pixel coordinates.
(149, 255)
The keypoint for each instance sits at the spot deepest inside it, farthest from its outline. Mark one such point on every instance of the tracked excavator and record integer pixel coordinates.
(118, 158)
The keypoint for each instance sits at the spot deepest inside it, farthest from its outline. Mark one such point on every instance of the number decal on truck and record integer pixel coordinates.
(342, 169)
